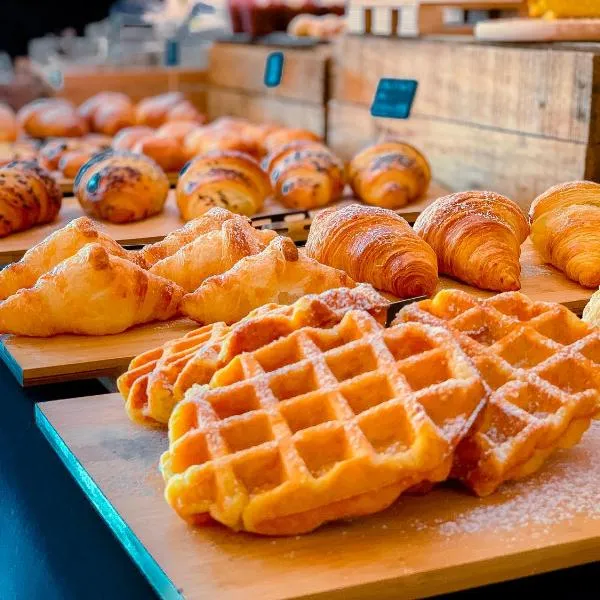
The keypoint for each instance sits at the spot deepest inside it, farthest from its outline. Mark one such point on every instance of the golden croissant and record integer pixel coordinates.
(279, 274)
(210, 221)
(60, 245)
(477, 237)
(90, 293)
(29, 196)
(305, 175)
(565, 228)
(231, 180)
(591, 313)
(389, 174)
(213, 253)
(376, 246)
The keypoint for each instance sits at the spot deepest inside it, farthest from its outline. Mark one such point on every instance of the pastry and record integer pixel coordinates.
(553, 9)
(90, 293)
(591, 313)
(565, 229)
(285, 135)
(51, 117)
(29, 196)
(108, 112)
(542, 365)
(71, 161)
(213, 253)
(121, 187)
(344, 432)
(210, 221)
(176, 130)
(374, 245)
(305, 175)
(231, 180)
(477, 237)
(389, 174)
(51, 251)
(23, 150)
(127, 138)
(52, 151)
(158, 379)
(172, 106)
(278, 274)
(166, 152)
(8, 124)
(204, 140)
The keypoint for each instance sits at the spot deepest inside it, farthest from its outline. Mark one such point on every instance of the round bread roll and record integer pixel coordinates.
(121, 187)
(176, 130)
(284, 136)
(127, 138)
(167, 152)
(51, 117)
(8, 124)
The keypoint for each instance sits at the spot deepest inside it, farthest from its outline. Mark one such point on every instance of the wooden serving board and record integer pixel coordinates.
(66, 185)
(445, 541)
(35, 361)
(538, 30)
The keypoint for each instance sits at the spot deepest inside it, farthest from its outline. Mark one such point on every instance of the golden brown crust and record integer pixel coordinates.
(172, 106)
(279, 274)
(129, 136)
(108, 112)
(70, 162)
(52, 151)
(166, 152)
(121, 187)
(91, 293)
(389, 174)
(176, 130)
(305, 174)
(376, 246)
(566, 230)
(477, 237)
(8, 124)
(29, 196)
(51, 117)
(231, 180)
(285, 135)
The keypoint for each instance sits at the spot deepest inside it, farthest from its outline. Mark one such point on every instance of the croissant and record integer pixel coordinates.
(108, 112)
(29, 196)
(210, 221)
(51, 152)
(231, 180)
(213, 253)
(204, 140)
(284, 136)
(591, 313)
(70, 162)
(176, 130)
(376, 246)
(23, 150)
(305, 175)
(185, 111)
(477, 237)
(166, 152)
(128, 137)
(90, 293)
(389, 174)
(121, 187)
(8, 124)
(565, 228)
(279, 274)
(51, 117)
(172, 106)
(60, 245)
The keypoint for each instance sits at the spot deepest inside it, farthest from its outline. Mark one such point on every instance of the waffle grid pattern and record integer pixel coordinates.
(542, 364)
(321, 424)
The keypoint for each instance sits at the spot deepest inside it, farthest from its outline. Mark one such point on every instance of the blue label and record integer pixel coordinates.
(394, 98)
(273, 69)
(172, 53)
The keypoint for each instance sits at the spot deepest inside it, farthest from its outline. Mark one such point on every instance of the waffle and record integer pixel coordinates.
(542, 365)
(321, 424)
(158, 379)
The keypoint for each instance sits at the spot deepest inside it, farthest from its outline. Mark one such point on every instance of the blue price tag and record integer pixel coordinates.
(273, 69)
(394, 98)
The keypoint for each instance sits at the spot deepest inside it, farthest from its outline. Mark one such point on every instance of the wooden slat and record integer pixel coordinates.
(67, 357)
(526, 90)
(466, 157)
(262, 108)
(422, 546)
(241, 68)
(538, 30)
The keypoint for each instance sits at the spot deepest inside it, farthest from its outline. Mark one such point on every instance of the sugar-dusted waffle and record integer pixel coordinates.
(542, 364)
(321, 424)
(158, 379)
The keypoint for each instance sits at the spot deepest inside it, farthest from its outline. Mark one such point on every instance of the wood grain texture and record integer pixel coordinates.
(538, 30)
(67, 357)
(426, 545)
(545, 92)
(241, 68)
(466, 156)
(264, 108)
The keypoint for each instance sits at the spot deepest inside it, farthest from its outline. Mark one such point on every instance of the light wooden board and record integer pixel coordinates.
(538, 30)
(63, 358)
(465, 156)
(426, 545)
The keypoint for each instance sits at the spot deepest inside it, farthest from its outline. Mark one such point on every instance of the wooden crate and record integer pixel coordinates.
(412, 18)
(236, 88)
(511, 119)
